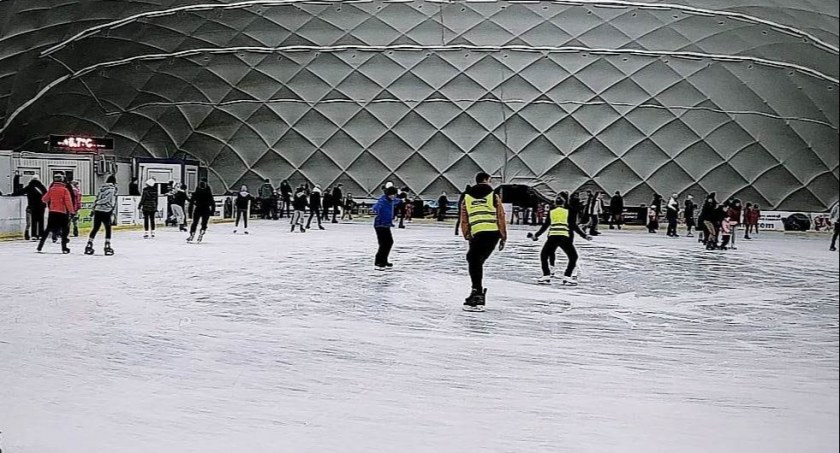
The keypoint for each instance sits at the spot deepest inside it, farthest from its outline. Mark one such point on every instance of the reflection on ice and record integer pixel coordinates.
(291, 342)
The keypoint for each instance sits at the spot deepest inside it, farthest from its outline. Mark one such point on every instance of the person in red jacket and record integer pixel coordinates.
(60, 204)
(77, 205)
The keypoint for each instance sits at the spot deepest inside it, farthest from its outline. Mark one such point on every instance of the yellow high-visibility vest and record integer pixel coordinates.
(559, 222)
(481, 213)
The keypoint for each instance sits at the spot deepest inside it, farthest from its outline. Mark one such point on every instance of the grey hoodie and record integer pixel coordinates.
(106, 200)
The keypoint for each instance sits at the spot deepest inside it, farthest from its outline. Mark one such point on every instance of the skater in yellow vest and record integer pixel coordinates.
(483, 225)
(561, 224)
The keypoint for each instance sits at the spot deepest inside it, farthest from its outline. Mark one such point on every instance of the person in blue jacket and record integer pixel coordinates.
(384, 210)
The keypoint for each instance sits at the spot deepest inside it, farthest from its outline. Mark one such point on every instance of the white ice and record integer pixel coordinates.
(281, 342)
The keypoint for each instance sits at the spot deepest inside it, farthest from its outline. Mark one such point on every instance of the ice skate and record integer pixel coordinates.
(108, 250)
(145, 235)
(380, 267)
(89, 248)
(832, 249)
(471, 302)
(246, 231)
(544, 280)
(689, 235)
(65, 250)
(321, 227)
(190, 239)
(569, 281)
(482, 297)
(153, 234)
(200, 236)
(183, 228)
(302, 229)
(234, 231)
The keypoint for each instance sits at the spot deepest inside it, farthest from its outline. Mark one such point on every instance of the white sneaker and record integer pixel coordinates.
(569, 281)
(544, 280)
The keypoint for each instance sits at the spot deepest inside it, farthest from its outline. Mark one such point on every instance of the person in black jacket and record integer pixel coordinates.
(616, 210)
(443, 206)
(299, 204)
(134, 188)
(315, 207)
(286, 197)
(34, 192)
(337, 194)
(148, 206)
(327, 204)
(202, 206)
(688, 214)
(707, 221)
(244, 200)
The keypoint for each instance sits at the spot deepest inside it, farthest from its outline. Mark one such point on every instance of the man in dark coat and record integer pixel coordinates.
(616, 210)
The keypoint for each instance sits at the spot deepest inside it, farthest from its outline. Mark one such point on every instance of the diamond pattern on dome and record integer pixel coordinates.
(405, 90)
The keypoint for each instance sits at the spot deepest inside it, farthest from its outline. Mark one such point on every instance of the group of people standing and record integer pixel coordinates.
(303, 198)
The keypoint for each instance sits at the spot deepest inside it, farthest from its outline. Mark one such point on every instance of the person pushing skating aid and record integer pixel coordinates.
(202, 206)
(483, 225)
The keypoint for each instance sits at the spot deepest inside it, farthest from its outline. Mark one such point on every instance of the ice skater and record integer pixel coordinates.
(35, 192)
(672, 214)
(59, 202)
(688, 214)
(483, 225)
(202, 206)
(244, 201)
(349, 205)
(148, 205)
(103, 212)
(337, 194)
(299, 204)
(76, 193)
(561, 224)
(382, 223)
(834, 218)
(726, 227)
(179, 207)
(315, 207)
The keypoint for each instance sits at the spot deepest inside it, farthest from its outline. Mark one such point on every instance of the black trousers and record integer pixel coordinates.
(834, 236)
(202, 217)
(315, 212)
(149, 219)
(99, 219)
(549, 250)
(241, 214)
(672, 227)
(57, 223)
(386, 242)
(37, 222)
(481, 247)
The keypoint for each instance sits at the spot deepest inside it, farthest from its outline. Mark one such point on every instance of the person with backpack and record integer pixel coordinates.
(266, 194)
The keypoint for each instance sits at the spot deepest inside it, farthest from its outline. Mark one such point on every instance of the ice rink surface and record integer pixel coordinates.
(280, 342)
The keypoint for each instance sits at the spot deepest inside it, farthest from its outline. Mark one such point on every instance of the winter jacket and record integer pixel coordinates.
(299, 202)
(673, 210)
(35, 191)
(690, 207)
(58, 199)
(616, 204)
(756, 216)
(202, 201)
(315, 199)
(242, 200)
(286, 191)
(384, 210)
(179, 198)
(77, 198)
(726, 227)
(106, 199)
(337, 194)
(734, 214)
(482, 191)
(149, 200)
(595, 207)
(266, 191)
(835, 213)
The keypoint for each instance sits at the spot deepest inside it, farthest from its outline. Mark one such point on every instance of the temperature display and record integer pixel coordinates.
(78, 143)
